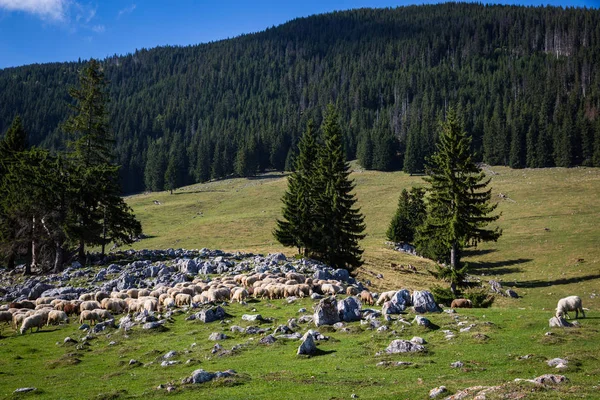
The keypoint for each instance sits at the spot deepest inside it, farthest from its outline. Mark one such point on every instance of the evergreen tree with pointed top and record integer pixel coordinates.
(339, 224)
(12, 146)
(296, 227)
(409, 216)
(459, 203)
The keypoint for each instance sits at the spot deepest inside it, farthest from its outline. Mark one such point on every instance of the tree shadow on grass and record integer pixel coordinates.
(477, 252)
(498, 267)
(566, 281)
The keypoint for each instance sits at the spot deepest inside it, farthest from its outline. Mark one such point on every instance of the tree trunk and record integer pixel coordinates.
(58, 257)
(10, 261)
(81, 252)
(33, 264)
(104, 233)
(452, 267)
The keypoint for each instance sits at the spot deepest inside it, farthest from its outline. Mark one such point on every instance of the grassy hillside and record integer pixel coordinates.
(548, 250)
(549, 219)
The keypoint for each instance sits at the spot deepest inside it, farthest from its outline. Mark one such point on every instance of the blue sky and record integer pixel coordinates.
(40, 31)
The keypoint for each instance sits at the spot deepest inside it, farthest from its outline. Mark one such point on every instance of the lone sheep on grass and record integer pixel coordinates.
(461, 303)
(571, 303)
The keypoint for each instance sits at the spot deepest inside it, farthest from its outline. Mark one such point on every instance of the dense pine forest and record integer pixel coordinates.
(524, 79)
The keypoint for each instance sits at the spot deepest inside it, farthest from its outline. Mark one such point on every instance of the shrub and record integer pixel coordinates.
(479, 297)
(442, 295)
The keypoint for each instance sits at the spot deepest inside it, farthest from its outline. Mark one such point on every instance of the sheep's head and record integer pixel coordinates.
(559, 313)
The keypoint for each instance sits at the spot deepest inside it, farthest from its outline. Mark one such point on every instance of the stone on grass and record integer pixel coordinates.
(25, 390)
(152, 325)
(168, 363)
(169, 355)
(418, 340)
(84, 327)
(556, 361)
(556, 322)
(217, 336)
(435, 392)
(269, 339)
(349, 309)
(512, 293)
(68, 339)
(550, 379)
(236, 328)
(308, 346)
(326, 312)
(457, 364)
(423, 302)
(252, 317)
(404, 346)
(211, 315)
(422, 321)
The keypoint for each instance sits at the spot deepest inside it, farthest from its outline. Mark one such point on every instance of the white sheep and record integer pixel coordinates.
(36, 320)
(571, 303)
(56, 317)
(6, 316)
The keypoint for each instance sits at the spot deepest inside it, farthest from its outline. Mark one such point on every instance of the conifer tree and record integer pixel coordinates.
(409, 216)
(296, 227)
(12, 146)
(339, 224)
(459, 203)
(96, 176)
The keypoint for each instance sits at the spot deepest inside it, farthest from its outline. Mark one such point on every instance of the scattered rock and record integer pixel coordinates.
(556, 361)
(326, 312)
(457, 364)
(252, 317)
(25, 390)
(152, 325)
(269, 339)
(211, 315)
(133, 362)
(422, 321)
(215, 336)
(169, 355)
(168, 363)
(418, 340)
(404, 346)
(202, 376)
(423, 302)
(393, 363)
(348, 309)
(435, 392)
(84, 327)
(69, 340)
(556, 322)
(308, 346)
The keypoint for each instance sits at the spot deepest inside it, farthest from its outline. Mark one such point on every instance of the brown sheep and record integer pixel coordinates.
(461, 303)
(70, 309)
(88, 315)
(366, 297)
(351, 291)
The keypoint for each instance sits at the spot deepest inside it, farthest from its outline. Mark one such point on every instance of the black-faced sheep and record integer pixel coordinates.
(461, 303)
(571, 303)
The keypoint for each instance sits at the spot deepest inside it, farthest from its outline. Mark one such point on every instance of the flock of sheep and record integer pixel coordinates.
(100, 306)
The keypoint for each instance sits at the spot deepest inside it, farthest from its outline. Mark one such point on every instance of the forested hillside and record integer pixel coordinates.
(525, 79)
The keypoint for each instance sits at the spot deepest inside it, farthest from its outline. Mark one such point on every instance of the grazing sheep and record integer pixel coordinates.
(261, 293)
(87, 296)
(6, 316)
(366, 297)
(351, 290)
(88, 315)
(183, 299)
(89, 305)
(461, 303)
(169, 303)
(70, 309)
(240, 294)
(56, 317)
(44, 313)
(99, 296)
(571, 303)
(143, 293)
(36, 320)
(385, 296)
(119, 295)
(133, 293)
(18, 318)
(44, 300)
(103, 315)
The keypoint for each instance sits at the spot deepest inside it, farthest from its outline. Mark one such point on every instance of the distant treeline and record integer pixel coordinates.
(526, 80)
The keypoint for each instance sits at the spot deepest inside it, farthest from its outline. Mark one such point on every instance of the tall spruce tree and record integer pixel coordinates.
(296, 227)
(339, 224)
(96, 181)
(12, 146)
(459, 203)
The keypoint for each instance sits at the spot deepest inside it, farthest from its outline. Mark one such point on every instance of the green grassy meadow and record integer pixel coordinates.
(549, 249)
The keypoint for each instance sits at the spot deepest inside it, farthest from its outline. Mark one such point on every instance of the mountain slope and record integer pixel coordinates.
(523, 78)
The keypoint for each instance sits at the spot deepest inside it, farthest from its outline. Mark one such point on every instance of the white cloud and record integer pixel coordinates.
(126, 10)
(51, 10)
(98, 28)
